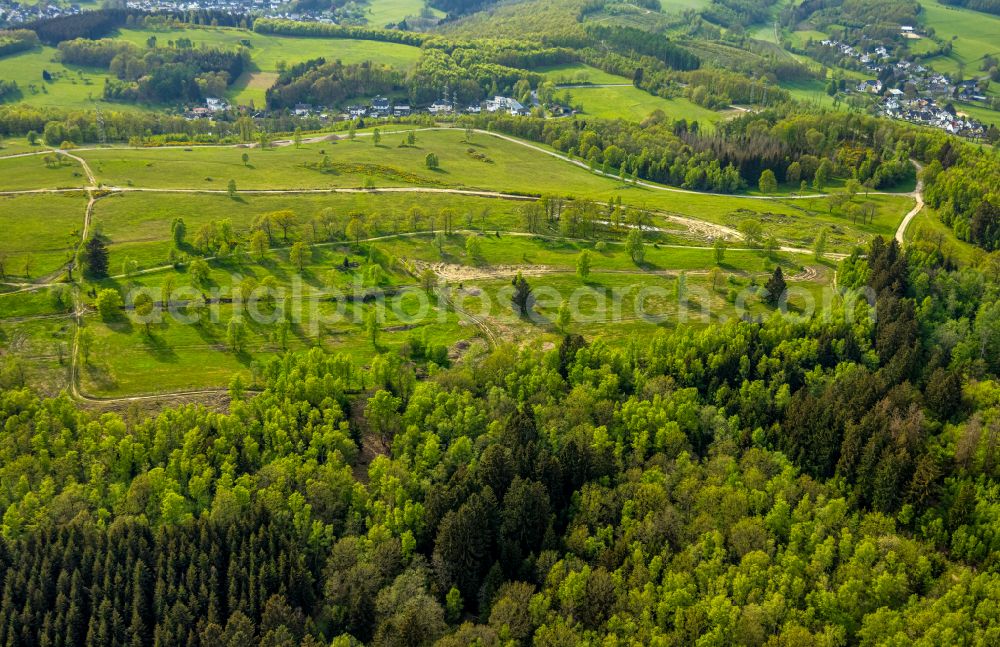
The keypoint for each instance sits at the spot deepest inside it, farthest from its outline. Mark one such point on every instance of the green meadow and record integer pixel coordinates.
(384, 12)
(71, 87)
(628, 102)
(973, 34)
(39, 230)
(46, 170)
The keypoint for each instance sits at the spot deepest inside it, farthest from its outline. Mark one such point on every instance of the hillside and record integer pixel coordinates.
(499, 323)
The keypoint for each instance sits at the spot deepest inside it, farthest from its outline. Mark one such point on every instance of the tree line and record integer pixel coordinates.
(325, 30)
(17, 40)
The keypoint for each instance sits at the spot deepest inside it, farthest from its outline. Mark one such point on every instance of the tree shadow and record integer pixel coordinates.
(158, 347)
(121, 324)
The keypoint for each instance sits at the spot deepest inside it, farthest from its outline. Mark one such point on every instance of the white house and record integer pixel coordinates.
(441, 107)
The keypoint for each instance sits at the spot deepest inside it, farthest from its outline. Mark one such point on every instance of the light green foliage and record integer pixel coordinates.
(109, 303)
(583, 265)
(635, 247)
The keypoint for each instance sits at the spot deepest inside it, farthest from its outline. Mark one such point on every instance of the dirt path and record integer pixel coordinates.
(918, 195)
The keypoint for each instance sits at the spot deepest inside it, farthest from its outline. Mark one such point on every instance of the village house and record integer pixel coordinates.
(441, 107)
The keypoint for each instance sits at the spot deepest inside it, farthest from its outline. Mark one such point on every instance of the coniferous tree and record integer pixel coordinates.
(775, 287)
(96, 256)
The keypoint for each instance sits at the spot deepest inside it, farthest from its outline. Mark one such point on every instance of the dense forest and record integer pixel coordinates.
(988, 6)
(320, 83)
(820, 482)
(180, 72)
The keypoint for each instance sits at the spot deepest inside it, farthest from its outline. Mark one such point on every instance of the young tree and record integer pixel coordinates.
(85, 340)
(852, 187)
(372, 327)
(635, 247)
(231, 189)
(167, 289)
(564, 317)
(428, 280)
(237, 388)
(246, 158)
(583, 265)
(300, 255)
(431, 161)
(96, 256)
(714, 275)
(823, 173)
(236, 334)
(178, 230)
(199, 271)
(794, 173)
(411, 138)
(355, 229)
(775, 287)
(297, 137)
(377, 136)
(768, 183)
(752, 231)
(142, 307)
(286, 220)
(522, 297)
(259, 244)
(719, 247)
(819, 246)
(382, 416)
(473, 248)
(109, 304)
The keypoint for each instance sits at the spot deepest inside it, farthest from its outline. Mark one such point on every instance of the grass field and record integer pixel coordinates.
(623, 101)
(40, 230)
(384, 12)
(72, 87)
(43, 347)
(628, 102)
(984, 115)
(32, 172)
(578, 73)
(975, 34)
